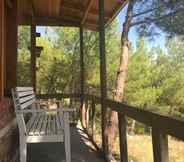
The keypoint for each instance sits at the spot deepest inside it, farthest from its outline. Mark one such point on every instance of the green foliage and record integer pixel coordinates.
(52, 70)
(155, 81)
(172, 24)
(139, 90)
(155, 77)
(152, 16)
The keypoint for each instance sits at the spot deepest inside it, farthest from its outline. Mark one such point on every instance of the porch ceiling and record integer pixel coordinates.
(66, 12)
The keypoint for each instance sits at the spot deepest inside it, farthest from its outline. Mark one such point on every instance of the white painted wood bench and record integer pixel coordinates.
(43, 125)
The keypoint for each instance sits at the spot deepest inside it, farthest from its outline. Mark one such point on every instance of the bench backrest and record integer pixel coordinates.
(23, 98)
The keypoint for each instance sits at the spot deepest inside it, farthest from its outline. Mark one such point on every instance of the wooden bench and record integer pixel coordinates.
(42, 125)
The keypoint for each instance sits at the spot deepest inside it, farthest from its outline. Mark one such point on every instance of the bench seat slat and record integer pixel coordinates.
(54, 124)
(37, 125)
(58, 124)
(51, 124)
(48, 132)
(43, 129)
(40, 123)
(61, 120)
(33, 128)
(30, 122)
(46, 138)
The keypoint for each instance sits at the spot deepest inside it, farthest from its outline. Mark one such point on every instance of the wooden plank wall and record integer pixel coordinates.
(8, 47)
(11, 46)
(2, 38)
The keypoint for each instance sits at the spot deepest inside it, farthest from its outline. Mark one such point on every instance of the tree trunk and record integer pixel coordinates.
(118, 96)
(83, 114)
(121, 77)
(87, 115)
(132, 128)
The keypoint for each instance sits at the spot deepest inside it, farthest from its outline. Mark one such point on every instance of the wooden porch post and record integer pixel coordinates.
(160, 146)
(11, 46)
(2, 44)
(33, 56)
(103, 75)
(82, 76)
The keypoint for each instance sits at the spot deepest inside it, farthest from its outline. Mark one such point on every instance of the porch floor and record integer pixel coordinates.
(81, 147)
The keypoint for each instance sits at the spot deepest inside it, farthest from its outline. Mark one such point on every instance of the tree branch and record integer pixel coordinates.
(127, 23)
(153, 19)
(146, 12)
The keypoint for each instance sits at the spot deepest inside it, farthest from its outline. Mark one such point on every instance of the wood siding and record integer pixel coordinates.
(2, 38)
(8, 131)
(11, 47)
(8, 136)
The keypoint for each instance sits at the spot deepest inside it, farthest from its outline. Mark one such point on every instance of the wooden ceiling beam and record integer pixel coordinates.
(32, 8)
(70, 4)
(116, 11)
(59, 7)
(42, 21)
(91, 26)
(78, 8)
(90, 2)
(71, 13)
(55, 7)
(50, 21)
(56, 22)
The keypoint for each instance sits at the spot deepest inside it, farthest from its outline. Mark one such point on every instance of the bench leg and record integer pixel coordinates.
(67, 149)
(23, 150)
(67, 138)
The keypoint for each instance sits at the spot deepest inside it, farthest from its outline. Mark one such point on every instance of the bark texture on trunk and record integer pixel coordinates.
(83, 115)
(2, 48)
(121, 77)
(132, 128)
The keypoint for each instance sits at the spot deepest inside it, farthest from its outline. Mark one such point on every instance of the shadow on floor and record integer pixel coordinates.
(82, 150)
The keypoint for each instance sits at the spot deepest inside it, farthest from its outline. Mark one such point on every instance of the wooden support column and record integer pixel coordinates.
(33, 56)
(93, 119)
(103, 83)
(123, 138)
(11, 47)
(160, 146)
(82, 62)
(2, 44)
(82, 77)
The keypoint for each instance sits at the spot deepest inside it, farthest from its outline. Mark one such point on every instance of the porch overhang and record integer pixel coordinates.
(66, 12)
